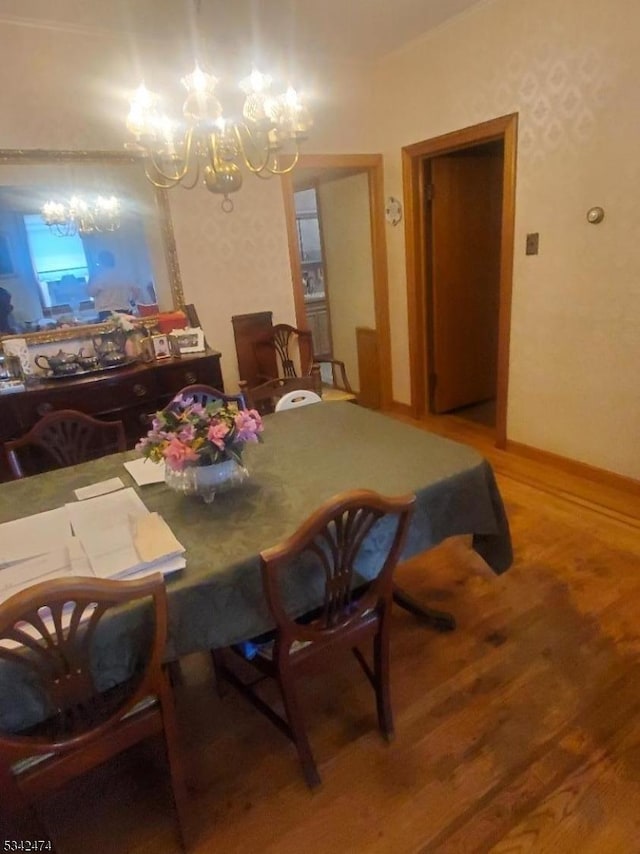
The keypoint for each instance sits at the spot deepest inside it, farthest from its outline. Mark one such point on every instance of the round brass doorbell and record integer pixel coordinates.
(595, 215)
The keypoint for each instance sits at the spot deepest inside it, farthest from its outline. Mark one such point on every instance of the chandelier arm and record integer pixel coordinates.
(196, 177)
(167, 181)
(212, 151)
(289, 168)
(161, 185)
(256, 170)
(274, 170)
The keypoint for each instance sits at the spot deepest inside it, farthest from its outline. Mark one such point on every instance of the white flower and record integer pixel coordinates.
(126, 322)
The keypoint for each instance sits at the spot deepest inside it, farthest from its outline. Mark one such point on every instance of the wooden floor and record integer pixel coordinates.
(519, 732)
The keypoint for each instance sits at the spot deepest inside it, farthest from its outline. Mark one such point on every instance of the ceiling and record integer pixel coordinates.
(362, 30)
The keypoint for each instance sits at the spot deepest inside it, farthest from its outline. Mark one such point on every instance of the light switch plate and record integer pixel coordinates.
(532, 243)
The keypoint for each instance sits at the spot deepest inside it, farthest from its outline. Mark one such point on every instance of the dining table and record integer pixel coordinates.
(306, 456)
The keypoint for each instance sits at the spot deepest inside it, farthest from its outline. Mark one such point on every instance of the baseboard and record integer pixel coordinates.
(400, 408)
(574, 467)
(474, 431)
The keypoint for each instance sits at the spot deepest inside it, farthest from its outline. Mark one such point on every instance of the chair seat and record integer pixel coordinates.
(331, 394)
(31, 761)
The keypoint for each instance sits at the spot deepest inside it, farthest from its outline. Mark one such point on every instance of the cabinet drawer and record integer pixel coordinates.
(105, 395)
(206, 371)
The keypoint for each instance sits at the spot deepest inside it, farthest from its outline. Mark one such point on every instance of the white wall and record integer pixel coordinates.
(346, 233)
(571, 71)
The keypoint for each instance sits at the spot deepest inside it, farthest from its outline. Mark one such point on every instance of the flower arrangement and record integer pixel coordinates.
(187, 433)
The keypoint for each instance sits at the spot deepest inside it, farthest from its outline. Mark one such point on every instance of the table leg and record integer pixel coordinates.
(442, 621)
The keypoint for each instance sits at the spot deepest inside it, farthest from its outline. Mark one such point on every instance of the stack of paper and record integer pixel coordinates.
(121, 538)
(111, 536)
(38, 548)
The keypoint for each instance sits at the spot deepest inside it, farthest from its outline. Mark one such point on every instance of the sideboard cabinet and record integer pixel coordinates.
(127, 394)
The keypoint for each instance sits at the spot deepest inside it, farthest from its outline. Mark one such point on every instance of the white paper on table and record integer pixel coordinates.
(143, 471)
(153, 539)
(34, 535)
(101, 488)
(106, 527)
(57, 563)
(165, 566)
(60, 563)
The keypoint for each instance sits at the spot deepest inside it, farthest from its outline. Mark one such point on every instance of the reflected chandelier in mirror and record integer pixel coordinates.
(81, 216)
(53, 277)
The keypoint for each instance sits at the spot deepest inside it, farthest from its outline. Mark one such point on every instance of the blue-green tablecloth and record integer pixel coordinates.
(308, 455)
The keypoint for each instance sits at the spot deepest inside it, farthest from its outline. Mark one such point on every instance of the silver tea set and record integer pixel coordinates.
(108, 352)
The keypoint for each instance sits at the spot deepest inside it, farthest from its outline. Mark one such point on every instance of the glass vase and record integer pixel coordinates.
(206, 481)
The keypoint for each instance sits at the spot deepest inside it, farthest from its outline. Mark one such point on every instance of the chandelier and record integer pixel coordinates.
(78, 216)
(265, 142)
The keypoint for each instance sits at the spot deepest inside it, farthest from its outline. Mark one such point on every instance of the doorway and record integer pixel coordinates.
(459, 204)
(313, 262)
(334, 207)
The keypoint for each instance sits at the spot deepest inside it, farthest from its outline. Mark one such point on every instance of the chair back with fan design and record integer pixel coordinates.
(63, 438)
(51, 635)
(293, 350)
(205, 394)
(353, 534)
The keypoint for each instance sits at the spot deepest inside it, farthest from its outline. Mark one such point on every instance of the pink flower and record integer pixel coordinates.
(217, 432)
(187, 433)
(248, 424)
(177, 454)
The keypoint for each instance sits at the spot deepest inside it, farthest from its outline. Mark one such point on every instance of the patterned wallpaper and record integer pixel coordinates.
(570, 70)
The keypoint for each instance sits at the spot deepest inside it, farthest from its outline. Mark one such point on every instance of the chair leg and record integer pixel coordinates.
(382, 680)
(175, 673)
(218, 671)
(176, 768)
(298, 730)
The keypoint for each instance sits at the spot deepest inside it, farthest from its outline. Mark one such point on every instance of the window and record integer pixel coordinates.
(59, 263)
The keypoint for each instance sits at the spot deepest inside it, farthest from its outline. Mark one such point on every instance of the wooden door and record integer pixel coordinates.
(463, 239)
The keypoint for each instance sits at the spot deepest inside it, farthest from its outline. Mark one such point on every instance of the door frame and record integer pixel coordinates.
(414, 158)
(351, 164)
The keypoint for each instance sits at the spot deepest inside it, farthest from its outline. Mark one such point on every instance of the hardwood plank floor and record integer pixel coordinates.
(519, 732)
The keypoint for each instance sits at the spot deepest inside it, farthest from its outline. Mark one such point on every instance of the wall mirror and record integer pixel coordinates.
(48, 274)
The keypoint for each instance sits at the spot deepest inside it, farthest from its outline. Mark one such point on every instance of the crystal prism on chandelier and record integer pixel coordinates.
(79, 216)
(266, 141)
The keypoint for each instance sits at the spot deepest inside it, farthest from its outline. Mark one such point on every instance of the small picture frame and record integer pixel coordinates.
(161, 347)
(190, 340)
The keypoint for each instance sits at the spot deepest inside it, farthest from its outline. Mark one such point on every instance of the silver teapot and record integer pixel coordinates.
(60, 363)
(109, 347)
(88, 361)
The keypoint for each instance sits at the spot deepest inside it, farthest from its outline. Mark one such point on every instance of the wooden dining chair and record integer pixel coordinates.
(294, 357)
(63, 438)
(50, 633)
(294, 399)
(326, 550)
(205, 394)
(265, 396)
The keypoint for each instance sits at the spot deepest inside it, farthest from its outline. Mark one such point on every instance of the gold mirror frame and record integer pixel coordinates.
(44, 157)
